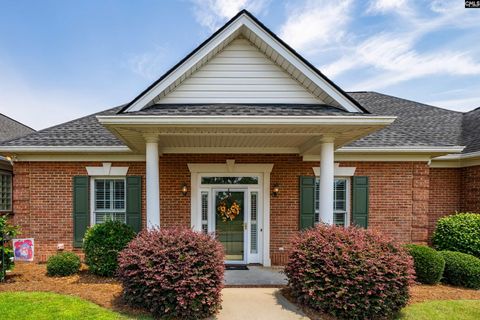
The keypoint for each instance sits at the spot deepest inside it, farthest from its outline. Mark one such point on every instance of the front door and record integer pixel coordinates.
(230, 223)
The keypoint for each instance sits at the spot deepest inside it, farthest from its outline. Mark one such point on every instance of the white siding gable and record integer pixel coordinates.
(240, 73)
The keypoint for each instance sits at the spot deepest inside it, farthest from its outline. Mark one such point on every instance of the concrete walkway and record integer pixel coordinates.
(255, 276)
(257, 303)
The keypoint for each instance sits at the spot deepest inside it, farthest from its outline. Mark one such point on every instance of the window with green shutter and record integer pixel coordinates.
(344, 211)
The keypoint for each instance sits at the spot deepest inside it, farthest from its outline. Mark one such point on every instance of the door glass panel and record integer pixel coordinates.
(205, 211)
(253, 222)
(229, 223)
(229, 180)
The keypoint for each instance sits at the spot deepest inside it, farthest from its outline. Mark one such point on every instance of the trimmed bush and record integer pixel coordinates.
(173, 273)
(101, 245)
(349, 273)
(7, 232)
(429, 263)
(461, 269)
(459, 232)
(63, 264)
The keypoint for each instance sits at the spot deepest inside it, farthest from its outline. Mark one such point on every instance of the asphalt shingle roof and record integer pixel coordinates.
(471, 131)
(417, 125)
(229, 109)
(86, 131)
(11, 129)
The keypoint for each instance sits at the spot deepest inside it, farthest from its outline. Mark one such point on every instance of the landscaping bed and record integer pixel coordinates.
(106, 291)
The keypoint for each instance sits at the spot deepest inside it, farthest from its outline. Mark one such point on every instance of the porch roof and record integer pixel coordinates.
(240, 133)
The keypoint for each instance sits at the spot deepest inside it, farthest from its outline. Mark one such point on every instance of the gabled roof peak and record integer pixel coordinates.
(244, 24)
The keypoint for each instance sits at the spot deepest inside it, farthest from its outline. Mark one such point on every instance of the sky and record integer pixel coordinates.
(60, 60)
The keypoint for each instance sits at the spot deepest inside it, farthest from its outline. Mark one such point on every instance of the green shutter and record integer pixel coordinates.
(360, 201)
(81, 212)
(307, 202)
(134, 202)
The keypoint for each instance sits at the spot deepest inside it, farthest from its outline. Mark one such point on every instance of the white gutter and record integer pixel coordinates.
(450, 157)
(66, 149)
(245, 120)
(404, 149)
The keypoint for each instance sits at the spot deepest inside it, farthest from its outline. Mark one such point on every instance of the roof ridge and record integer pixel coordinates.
(57, 125)
(408, 100)
(22, 124)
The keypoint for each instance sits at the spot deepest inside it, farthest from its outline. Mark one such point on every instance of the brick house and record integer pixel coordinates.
(246, 124)
(9, 129)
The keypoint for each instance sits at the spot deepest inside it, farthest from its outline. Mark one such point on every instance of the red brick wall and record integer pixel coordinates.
(471, 189)
(445, 194)
(42, 201)
(399, 197)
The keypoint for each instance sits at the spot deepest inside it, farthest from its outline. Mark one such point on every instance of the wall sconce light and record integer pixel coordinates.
(184, 190)
(275, 190)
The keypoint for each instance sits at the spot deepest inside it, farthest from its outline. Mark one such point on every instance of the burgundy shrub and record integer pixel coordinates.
(173, 273)
(349, 273)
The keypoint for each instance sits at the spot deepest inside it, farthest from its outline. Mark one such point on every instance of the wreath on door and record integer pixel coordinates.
(228, 208)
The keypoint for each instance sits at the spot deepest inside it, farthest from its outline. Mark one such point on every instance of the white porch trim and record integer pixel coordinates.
(231, 167)
(107, 170)
(326, 180)
(338, 171)
(152, 182)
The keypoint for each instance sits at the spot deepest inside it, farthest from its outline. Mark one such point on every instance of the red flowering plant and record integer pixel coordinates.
(349, 273)
(174, 273)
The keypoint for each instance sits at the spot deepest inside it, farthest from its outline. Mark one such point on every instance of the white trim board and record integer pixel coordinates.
(338, 171)
(107, 170)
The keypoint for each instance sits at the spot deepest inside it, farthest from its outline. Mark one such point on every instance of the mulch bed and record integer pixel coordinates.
(105, 292)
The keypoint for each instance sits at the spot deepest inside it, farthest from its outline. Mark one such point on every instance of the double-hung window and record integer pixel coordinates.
(5, 191)
(109, 200)
(340, 201)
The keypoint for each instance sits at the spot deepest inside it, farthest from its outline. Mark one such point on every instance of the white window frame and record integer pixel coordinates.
(92, 196)
(9, 174)
(347, 204)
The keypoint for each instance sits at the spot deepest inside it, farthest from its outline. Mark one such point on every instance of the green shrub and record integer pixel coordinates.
(63, 264)
(461, 269)
(428, 263)
(7, 232)
(459, 232)
(101, 245)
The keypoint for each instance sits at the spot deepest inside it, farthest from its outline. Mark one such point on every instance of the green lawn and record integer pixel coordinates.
(46, 306)
(443, 310)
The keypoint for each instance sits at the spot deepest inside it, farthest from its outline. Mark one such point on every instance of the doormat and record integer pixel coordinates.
(236, 267)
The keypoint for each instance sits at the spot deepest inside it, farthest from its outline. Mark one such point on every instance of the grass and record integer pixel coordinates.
(46, 306)
(442, 310)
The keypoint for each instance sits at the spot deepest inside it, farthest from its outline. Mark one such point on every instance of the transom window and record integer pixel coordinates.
(340, 201)
(5, 192)
(229, 180)
(109, 200)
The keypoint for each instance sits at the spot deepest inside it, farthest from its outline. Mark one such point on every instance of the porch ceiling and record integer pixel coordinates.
(298, 135)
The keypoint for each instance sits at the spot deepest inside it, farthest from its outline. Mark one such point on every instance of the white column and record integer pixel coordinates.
(153, 183)
(326, 181)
